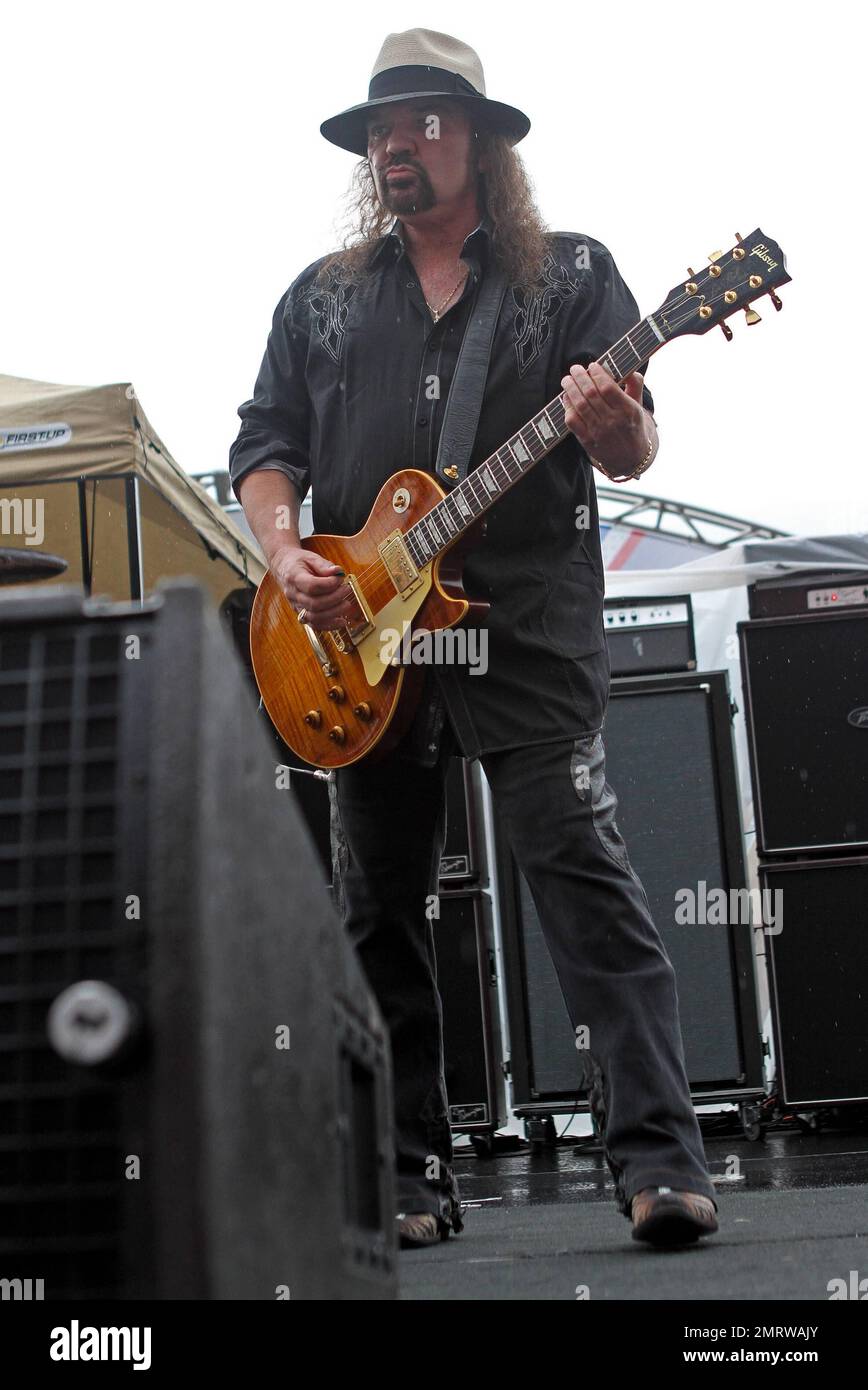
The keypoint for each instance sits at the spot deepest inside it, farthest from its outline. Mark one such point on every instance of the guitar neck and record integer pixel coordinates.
(475, 494)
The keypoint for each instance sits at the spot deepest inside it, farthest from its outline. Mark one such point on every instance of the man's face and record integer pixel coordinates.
(421, 154)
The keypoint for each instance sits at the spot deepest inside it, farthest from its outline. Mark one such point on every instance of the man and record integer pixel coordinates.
(352, 387)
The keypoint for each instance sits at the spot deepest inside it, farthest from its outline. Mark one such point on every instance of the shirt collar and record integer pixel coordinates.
(476, 243)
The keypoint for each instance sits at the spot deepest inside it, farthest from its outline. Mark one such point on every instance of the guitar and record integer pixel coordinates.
(341, 695)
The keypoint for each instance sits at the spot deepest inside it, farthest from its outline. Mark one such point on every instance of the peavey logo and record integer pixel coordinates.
(858, 717)
(762, 251)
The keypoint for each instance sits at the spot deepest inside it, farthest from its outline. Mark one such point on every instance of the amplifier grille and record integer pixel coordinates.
(66, 866)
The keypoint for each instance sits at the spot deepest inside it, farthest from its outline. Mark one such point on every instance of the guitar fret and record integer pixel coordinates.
(443, 512)
(628, 341)
(538, 433)
(510, 460)
(481, 488)
(623, 368)
(545, 427)
(479, 501)
(519, 452)
(460, 499)
(488, 479)
(508, 463)
(532, 440)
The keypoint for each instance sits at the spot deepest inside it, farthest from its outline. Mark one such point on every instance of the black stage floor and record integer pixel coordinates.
(793, 1216)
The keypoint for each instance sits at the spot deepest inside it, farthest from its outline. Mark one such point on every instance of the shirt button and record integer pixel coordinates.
(423, 420)
(411, 284)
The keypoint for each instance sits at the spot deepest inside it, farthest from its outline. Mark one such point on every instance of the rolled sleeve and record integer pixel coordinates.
(602, 316)
(275, 422)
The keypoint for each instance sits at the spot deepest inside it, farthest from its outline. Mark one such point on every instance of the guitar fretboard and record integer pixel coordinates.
(473, 496)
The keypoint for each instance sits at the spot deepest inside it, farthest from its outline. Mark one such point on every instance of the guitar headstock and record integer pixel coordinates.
(753, 267)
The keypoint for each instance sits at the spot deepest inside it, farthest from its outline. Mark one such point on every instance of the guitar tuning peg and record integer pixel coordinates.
(776, 300)
(752, 316)
(714, 256)
(739, 237)
(726, 331)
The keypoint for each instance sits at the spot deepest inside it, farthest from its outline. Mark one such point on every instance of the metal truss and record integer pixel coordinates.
(639, 511)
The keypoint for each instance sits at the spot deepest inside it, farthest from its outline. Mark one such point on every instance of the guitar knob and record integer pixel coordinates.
(313, 718)
(336, 692)
(338, 734)
(362, 711)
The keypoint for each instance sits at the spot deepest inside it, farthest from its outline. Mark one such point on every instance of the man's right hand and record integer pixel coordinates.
(313, 584)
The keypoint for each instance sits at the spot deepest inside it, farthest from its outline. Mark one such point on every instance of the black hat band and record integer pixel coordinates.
(418, 77)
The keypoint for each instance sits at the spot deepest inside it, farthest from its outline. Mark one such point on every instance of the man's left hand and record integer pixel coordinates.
(609, 421)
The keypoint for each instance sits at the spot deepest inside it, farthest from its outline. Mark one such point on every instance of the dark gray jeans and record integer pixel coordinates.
(388, 827)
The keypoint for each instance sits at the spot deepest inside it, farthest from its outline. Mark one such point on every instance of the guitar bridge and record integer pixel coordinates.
(319, 651)
(397, 559)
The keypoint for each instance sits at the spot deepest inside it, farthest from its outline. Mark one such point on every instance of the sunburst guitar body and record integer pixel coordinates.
(336, 696)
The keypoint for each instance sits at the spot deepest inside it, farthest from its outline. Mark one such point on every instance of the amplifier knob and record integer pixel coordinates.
(92, 1023)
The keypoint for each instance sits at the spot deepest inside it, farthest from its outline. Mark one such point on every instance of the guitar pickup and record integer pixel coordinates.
(398, 561)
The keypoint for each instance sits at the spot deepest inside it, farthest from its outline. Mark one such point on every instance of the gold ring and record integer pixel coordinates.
(302, 614)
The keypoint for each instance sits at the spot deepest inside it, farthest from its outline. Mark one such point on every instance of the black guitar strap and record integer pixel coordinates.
(464, 402)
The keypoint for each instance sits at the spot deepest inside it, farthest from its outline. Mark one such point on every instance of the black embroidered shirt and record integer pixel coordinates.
(352, 387)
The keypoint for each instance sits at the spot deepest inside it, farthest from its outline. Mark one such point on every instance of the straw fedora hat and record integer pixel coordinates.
(422, 63)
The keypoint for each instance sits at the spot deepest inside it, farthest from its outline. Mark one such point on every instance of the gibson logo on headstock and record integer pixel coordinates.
(762, 251)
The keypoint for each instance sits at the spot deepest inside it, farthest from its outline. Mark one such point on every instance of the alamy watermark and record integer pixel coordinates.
(23, 516)
(445, 646)
(757, 907)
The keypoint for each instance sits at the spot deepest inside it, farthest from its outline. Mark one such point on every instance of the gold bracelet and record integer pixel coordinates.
(628, 477)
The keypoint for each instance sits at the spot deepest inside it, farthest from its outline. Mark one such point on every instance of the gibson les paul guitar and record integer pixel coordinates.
(341, 695)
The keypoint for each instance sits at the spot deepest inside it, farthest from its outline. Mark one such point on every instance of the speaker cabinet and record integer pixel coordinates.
(467, 981)
(194, 1078)
(806, 694)
(818, 962)
(671, 762)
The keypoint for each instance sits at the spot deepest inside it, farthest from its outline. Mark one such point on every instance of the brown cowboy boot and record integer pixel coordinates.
(666, 1216)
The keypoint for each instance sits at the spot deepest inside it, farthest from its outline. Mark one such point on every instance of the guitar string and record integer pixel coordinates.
(653, 341)
(495, 458)
(380, 565)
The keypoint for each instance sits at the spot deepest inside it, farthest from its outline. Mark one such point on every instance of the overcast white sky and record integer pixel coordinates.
(164, 181)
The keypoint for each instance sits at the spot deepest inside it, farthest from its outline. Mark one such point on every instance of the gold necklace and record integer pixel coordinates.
(435, 313)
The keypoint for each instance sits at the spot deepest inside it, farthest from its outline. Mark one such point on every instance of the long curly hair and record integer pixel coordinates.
(505, 194)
